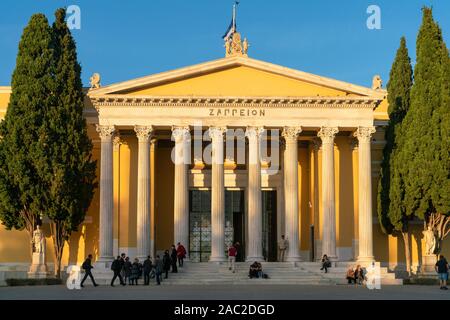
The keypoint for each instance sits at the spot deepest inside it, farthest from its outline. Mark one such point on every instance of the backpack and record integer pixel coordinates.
(84, 265)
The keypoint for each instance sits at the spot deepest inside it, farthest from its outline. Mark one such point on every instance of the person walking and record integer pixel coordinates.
(181, 254)
(122, 263)
(166, 263)
(173, 259)
(282, 246)
(147, 269)
(232, 252)
(136, 270)
(159, 266)
(116, 267)
(127, 270)
(442, 270)
(87, 267)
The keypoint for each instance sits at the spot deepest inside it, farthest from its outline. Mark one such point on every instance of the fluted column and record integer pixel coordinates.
(254, 195)
(327, 135)
(181, 135)
(365, 194)
(106, 195)
(143, 134)
(217, 196)
(291, 192)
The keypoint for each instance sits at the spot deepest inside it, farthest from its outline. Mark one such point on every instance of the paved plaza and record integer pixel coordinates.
(230, 292)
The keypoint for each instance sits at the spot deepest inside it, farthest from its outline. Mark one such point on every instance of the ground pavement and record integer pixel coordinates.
(227, 292)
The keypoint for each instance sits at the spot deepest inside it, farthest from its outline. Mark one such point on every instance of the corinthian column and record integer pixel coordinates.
(365, 194)
(327, 135)
(291, 192)
(254, 195)
(217, 196)
(181, 157)
(143, 134)
(106, 195)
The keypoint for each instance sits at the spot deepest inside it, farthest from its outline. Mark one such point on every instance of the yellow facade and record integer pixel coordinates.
(232, 81)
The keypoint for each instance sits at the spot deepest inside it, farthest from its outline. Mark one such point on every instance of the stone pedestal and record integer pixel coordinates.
(38, 269)
(428, 263)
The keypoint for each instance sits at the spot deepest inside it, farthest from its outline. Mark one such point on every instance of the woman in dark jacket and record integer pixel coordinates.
(127, 270)
(326, 263)
(136, 269)
(173, 257)
(166, 263)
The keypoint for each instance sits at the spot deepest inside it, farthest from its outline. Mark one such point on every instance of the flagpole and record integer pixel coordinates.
(234, 17)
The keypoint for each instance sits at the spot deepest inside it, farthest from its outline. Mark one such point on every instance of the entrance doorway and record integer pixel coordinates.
(199, 225)
(235, 221)
(269, 235)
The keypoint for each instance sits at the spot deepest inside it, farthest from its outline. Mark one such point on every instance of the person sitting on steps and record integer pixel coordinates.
(326, 263)
(255, 270)
(351, 275)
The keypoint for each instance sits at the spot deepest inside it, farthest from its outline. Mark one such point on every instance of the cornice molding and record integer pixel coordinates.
(249, 102)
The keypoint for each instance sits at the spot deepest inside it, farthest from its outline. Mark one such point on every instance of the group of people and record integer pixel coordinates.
(131, 272)
(355, 275)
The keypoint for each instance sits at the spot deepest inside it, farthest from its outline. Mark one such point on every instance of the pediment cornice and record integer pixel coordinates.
(229, 62)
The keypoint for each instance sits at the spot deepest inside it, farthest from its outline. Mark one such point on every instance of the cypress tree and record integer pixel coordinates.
(23, 191)
(420, 154)
(399, 87)
(440, 187)
(390, 188)
(70, 170)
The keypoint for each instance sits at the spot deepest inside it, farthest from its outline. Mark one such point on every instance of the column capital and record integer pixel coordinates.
(105, 132)
(290, 133)
(254, 132)
(181, 133)
(364, 133)
(327, 134)
(217, 132)
(143, 133)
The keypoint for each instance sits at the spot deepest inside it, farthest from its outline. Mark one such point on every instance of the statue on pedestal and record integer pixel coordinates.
(38, 267)
(38, 241)
(430, 241)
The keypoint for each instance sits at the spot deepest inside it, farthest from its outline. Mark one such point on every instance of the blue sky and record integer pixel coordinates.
(123, 40)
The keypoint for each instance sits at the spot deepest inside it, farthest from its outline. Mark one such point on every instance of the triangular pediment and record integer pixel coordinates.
(236, 76)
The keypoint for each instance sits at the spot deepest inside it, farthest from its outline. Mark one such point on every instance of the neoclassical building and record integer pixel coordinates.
(234, 149)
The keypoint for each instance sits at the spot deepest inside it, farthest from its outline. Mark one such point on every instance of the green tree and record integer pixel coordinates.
(440, 188)
(422, 153)
(390, 208)
(23, 192)
(70, 170)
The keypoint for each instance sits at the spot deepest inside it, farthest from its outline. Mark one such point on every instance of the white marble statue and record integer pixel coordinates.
(39, 240)
(430, 241)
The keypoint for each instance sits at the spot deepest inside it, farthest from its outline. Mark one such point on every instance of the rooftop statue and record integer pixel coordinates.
(95, 81)
(377, 83)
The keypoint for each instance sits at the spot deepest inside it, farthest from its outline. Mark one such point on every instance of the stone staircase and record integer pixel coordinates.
(218, 274)
(337, 272)
(300, 273)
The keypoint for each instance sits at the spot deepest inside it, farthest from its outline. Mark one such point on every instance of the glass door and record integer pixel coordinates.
(199, 225)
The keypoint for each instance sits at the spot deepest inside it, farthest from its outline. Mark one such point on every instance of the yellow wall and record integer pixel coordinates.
(164, 192)
(240, 81)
